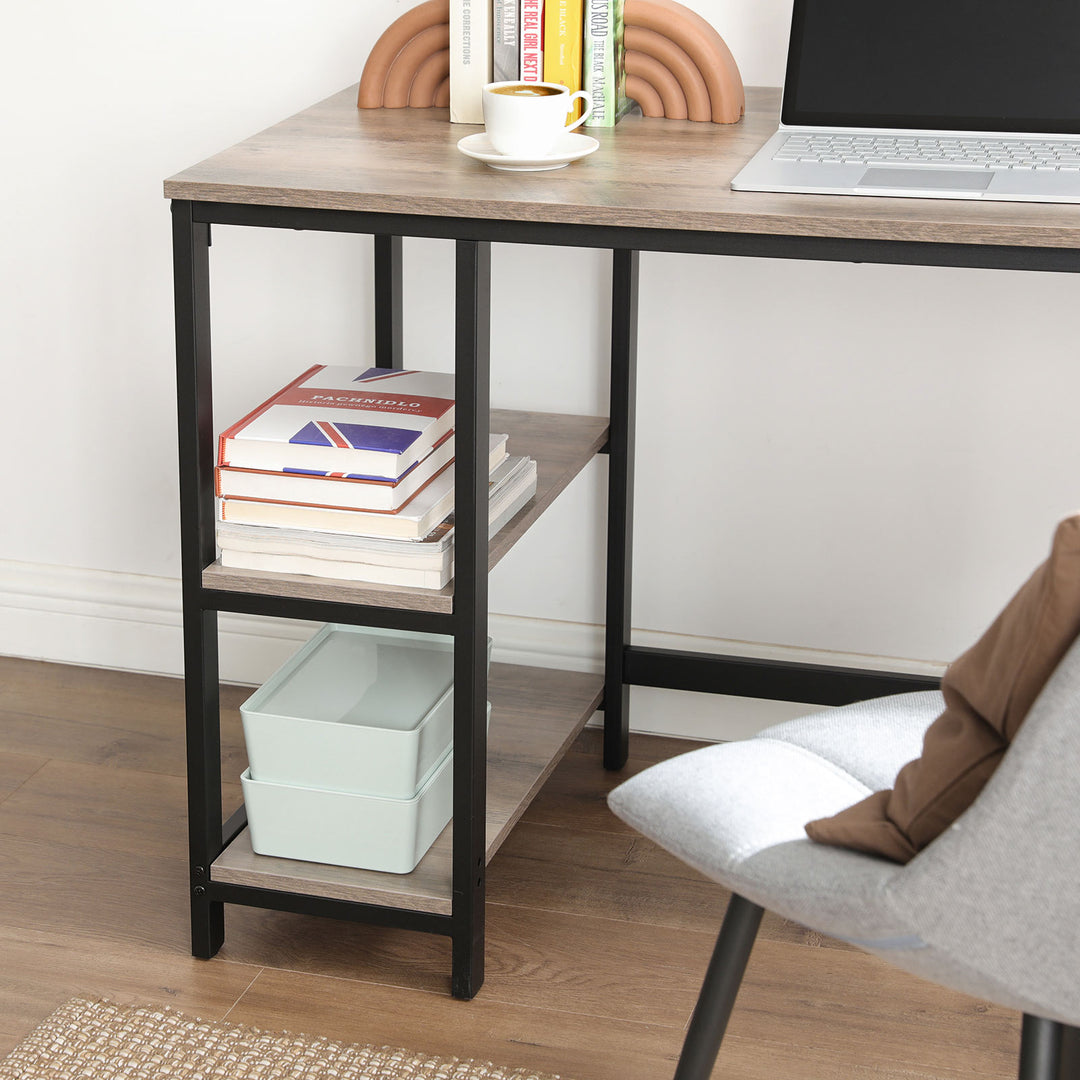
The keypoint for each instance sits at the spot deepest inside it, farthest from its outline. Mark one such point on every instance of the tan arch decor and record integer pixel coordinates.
(677, 65)
(410, 63)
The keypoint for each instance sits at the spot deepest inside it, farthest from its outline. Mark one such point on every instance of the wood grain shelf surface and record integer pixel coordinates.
(596, 939)
(562, 446)
(536, 713)
(649, 173)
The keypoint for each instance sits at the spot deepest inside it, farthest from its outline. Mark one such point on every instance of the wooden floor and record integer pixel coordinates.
(597, 941)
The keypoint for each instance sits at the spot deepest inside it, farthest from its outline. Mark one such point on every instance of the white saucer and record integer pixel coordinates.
(570, 147)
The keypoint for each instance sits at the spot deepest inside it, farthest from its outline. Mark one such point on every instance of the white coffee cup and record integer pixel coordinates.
(525, 120)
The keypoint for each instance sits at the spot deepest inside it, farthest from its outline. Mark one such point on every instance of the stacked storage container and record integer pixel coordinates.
(350, 750)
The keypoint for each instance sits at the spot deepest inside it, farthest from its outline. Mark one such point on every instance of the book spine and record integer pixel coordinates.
(506, 55)
(470, 58)
(603, 61)
(532, 40)
(563, 40)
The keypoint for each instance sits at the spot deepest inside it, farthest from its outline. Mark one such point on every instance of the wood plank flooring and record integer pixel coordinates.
(596, 940)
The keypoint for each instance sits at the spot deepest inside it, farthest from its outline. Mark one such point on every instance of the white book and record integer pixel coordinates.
(254, 548)
(368, 421)
(425, 554)
(340, 491)
(470, 58)
(428, 551)
(415, 520)
(317, 566)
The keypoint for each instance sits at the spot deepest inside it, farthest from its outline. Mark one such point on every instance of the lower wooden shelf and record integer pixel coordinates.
(535, 715)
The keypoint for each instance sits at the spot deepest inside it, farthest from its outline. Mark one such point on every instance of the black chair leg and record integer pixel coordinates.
(717, 997)
(1048, 1050)
(1070, 1052)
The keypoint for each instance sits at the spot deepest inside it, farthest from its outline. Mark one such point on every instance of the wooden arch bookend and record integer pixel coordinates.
(410, 63)
(677, 65)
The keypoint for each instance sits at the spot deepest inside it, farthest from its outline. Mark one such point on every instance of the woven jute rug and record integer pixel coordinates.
(100, 1040)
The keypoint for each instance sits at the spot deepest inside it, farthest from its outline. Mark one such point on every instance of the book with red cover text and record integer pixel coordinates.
(372, 422)
(414, 520)
(340, 490)
(532, 40)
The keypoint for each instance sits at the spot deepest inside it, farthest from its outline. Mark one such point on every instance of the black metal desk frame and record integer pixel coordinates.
(626, 665)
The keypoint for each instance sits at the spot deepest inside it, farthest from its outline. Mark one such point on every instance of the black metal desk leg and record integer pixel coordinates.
(388, 306)
(204, 776)
(191, 279)
(624, 310)
(472, 422)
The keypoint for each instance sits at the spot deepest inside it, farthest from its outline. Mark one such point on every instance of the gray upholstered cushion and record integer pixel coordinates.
(737, 811)
(991, 907)
(872, 740)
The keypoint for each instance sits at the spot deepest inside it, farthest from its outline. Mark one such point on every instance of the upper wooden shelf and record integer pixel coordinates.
(648, 173)
(562, 446)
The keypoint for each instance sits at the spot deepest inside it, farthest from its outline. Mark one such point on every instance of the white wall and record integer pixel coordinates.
(833, 458)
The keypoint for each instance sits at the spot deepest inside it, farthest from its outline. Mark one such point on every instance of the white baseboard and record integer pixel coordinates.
(132, 622)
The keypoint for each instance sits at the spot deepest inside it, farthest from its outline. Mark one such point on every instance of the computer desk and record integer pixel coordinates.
(654, 185)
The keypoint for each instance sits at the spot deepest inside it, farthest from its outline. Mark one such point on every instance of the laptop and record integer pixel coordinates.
(943, 99)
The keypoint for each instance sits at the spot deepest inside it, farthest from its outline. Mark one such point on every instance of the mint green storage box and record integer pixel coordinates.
(357, 709)
(349, 829)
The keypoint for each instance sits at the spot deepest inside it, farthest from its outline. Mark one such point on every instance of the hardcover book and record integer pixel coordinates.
(426, 564)
(506, 52)
(563, 40)
(370, 422)
(532, 40)
(417, 519)
(470, 58)
(339, 490)
(604, 66)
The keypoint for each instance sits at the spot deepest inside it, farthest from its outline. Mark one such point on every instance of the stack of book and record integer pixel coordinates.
(578, 43)
(348, 473)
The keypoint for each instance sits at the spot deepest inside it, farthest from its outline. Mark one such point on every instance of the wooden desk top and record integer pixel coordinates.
(648, 173)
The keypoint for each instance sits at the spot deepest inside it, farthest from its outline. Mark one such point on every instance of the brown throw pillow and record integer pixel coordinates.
(988, 692)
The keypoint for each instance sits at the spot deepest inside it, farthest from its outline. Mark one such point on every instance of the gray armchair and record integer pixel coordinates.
(990, 908)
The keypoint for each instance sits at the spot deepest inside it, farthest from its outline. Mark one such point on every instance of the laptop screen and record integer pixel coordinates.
(983, 65)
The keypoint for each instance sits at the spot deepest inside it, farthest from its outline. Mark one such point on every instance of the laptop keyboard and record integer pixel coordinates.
(1036, 155)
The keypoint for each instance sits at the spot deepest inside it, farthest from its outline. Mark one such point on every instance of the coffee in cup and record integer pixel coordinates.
(512, 89)
(525, 120)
